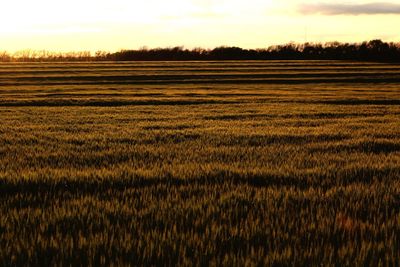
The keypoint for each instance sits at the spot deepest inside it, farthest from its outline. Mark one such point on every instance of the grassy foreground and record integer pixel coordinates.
(222, 164)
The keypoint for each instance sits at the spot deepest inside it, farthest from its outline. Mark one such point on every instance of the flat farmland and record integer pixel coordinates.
(228, 163)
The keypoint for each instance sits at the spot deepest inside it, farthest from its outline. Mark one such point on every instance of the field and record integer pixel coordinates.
(293, 163)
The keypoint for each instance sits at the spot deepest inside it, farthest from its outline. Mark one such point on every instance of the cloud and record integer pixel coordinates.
(349, 9)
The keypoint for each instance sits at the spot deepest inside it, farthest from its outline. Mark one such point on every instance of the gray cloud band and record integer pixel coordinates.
(349, 9)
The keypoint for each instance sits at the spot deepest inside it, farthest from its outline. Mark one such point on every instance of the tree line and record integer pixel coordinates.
(375, 50)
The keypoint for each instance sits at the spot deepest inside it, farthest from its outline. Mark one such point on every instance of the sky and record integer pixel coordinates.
(92, 25)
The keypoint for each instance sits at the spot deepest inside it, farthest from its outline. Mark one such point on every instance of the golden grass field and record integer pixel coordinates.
(279, 163)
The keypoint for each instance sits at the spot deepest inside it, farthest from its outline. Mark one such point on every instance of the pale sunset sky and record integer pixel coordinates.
(61, 25)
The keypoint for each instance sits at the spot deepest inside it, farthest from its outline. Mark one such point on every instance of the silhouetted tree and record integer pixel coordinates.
(375, 50)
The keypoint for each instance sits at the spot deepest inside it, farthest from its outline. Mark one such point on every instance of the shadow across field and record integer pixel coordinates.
(110, 103)
(168, 127)
(210, 81)
(101, 185)
(312, 116)
(284, 139)
(371, 146)
(386, 102)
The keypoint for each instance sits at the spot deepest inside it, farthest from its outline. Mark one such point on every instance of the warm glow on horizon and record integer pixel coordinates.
(124, 24)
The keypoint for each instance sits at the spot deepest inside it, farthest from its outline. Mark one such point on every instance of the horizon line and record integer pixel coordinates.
(183, 47)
